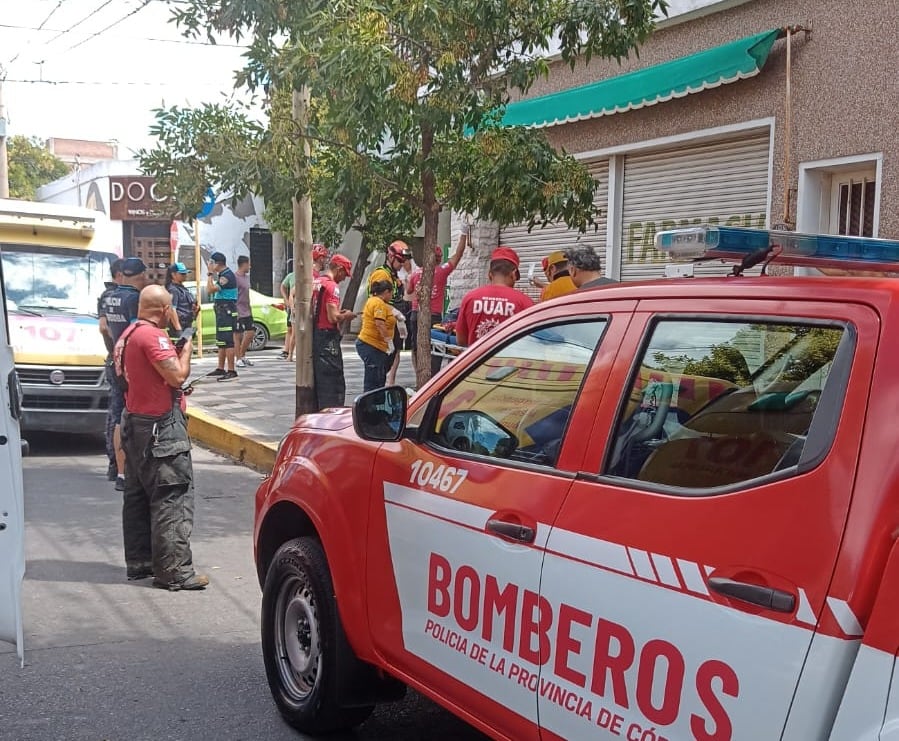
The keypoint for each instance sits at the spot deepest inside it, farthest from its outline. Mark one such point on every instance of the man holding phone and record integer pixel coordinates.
(158, 501)
(183, 336)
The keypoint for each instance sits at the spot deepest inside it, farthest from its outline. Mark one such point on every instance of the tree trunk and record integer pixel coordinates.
(302, 266)
(431, 216)
(352, 289)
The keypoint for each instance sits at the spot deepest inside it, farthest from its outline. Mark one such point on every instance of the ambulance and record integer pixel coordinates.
(12, 516)
(646, 511)
(55, 261)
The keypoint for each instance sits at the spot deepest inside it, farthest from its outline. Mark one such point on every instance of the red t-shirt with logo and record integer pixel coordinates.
(147, 393)
(438, 287)
(330, 294)
(485, 308)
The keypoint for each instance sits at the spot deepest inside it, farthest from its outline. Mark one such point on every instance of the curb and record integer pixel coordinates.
(231, 440)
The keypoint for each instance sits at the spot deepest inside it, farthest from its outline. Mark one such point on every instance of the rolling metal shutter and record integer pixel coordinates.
(722, 182)
(533, 246)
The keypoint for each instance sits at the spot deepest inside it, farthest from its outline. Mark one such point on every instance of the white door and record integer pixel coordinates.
(12, 517)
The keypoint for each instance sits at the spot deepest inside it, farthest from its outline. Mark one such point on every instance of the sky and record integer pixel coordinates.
(68, 77)
(95, 69)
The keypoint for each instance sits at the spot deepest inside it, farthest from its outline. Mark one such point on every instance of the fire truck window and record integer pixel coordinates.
(515, 403)
(718, 403)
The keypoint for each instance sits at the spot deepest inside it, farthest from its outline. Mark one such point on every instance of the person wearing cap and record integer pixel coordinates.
(485, 308)
(244, 329)
(120, 310)
(319, 259)
(374, 344)
(560, 282)
(442, 272)
(397, 257)
(183, 301)
(288, 293)
(115, 270)
(221, 284)
(585, 267)
(327, 357)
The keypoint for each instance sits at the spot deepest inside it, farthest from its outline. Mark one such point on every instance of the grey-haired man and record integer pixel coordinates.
(585, 268)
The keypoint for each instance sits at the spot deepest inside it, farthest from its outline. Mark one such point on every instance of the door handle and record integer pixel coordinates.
(770, 599)
(15, 395)
(512, 530)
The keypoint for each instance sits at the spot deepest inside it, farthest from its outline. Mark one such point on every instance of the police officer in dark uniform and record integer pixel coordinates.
(116, 270)
(183, 301)
(120, 310)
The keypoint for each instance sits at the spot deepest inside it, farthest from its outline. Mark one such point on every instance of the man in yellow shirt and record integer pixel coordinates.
(560, 281)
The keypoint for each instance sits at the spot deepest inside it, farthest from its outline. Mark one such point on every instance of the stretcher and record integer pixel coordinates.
(443, 343)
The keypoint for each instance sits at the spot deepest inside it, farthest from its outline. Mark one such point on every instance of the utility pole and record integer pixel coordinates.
(4, 162)
(302, 263)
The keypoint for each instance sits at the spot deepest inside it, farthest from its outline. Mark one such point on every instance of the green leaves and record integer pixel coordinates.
(512, 175)
(383, 72)
(214, 145)
(398, 87)
(31, 165)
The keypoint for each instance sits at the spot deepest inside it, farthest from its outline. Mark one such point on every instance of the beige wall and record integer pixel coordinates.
(845, 89)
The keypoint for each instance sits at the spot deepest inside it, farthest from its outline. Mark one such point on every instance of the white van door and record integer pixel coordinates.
(12, 515)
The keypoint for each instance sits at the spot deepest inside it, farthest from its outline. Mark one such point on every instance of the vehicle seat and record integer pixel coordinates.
(712, 461)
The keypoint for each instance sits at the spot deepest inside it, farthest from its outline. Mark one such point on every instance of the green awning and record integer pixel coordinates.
(675, 79)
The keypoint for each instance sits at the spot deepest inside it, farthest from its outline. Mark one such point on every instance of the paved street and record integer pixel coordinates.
(112, 660)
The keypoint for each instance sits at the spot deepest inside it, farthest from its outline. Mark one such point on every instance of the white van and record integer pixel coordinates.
(55, 262)
(12, 515)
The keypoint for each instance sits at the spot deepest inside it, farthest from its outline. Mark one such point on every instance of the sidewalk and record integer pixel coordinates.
(247, 417)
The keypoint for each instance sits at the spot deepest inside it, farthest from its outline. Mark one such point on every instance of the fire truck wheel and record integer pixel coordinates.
(302, 640)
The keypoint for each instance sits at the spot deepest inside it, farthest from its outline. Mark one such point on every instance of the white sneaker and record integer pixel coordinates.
(240, 363)
(247, 362)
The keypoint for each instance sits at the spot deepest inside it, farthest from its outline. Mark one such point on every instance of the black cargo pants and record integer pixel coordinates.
(327, 368)
(158, 501)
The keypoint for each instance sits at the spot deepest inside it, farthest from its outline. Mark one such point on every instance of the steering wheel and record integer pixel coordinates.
(646, 423)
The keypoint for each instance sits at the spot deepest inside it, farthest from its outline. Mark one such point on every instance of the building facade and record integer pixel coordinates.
(744, 112)
(143, 219)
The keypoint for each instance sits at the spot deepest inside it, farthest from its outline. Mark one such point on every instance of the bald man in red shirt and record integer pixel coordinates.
(158, 500)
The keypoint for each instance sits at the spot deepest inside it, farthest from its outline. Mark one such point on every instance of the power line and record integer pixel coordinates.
(126, 83)
(139, 8)
(29, 28)
(191, 42)
(50, 15)
(75, 25)
(39, 28)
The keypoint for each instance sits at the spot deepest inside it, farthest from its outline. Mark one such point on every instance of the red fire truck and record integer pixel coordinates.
(648, 511)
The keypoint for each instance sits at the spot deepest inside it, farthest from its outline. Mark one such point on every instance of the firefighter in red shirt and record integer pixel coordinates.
(158, 500)
(487, 307)
(327, 357)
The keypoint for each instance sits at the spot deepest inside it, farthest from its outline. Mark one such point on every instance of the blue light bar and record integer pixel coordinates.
(791, 248)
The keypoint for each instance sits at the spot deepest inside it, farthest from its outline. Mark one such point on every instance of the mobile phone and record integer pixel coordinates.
(185, 335)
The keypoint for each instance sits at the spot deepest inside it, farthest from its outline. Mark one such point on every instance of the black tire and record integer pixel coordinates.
(260, 337)
(302, 640)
